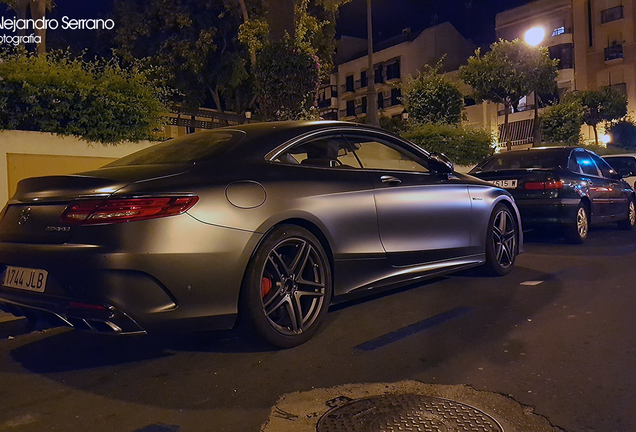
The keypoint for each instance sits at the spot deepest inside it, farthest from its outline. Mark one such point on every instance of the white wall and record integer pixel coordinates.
(40, 143)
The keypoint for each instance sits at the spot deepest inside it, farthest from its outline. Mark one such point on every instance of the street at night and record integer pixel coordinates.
(555, 336)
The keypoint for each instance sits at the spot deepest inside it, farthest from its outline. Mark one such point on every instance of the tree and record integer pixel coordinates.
(602, 105)
(38, 10)
(287, 77)
(191, 44)
(508, 72)
(287, 71)
(97, 101)
(561, 122)
(432, 98)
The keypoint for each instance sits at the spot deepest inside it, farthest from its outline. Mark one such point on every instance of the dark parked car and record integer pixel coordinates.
(262, 224)
(568, 187)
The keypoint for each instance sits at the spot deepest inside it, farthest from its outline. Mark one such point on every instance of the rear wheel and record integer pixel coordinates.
(578, 229)
(629, 223)
(287, 288)
(501, 241)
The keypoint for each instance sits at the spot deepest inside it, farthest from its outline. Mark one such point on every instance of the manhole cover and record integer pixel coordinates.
(406, 412)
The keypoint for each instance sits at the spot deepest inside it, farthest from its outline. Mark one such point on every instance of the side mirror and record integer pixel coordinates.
(441, 163)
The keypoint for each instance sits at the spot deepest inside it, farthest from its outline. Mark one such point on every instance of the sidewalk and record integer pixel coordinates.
(4, 317)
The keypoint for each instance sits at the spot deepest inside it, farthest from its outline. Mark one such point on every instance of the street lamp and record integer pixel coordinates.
(534, 37)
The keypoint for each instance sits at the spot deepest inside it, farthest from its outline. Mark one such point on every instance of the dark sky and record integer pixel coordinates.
(474, 19)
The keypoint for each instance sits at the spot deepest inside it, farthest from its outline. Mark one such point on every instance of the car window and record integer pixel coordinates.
(521, 160)
(331, 151)
(187, 148)
(625, 165)
(585, 163)
(378, 153)
(603, 166)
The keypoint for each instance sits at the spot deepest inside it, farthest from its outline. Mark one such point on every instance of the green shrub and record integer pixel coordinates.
(95, 101)
(463, 145)
(623, 134)
(561, 123)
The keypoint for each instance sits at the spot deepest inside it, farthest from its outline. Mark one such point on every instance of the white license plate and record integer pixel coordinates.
(506, 184)
(25, 278)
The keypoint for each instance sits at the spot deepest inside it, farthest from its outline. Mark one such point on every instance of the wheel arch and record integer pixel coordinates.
(303, 223)
(585, 200)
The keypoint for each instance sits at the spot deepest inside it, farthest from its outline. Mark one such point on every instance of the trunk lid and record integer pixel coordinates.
(32, 215)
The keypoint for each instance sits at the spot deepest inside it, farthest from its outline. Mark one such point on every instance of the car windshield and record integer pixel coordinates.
(188, 148)
(520, 160)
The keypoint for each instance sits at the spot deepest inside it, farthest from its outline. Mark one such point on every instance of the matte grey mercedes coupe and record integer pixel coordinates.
(261, 226)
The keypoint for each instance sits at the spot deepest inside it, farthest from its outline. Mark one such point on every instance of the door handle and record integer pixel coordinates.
(390, 179)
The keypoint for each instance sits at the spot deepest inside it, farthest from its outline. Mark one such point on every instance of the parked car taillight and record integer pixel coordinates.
(552, 184)
(91, 212)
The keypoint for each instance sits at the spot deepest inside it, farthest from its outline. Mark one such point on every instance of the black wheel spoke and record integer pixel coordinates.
(300, 259)
(279, 264)
(274, 303)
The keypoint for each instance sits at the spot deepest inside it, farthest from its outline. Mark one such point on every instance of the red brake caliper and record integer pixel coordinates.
(266, 286)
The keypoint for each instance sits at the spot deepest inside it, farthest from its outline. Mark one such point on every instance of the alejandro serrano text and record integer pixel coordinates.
(14, 24)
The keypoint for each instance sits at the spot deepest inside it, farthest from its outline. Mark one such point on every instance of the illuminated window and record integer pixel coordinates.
(557, 31)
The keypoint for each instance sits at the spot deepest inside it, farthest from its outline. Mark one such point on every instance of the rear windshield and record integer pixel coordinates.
(187, 148)
(520, 160)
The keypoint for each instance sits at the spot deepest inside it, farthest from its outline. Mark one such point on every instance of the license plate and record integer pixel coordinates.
(506, 184)
(25, 278)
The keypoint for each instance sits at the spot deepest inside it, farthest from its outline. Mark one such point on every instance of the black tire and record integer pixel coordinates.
(287, 288)
(501, 241)
(576, 232)
(628, 224)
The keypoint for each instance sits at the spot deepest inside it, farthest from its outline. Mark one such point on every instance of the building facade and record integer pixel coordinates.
(346, 96)
(595, 41)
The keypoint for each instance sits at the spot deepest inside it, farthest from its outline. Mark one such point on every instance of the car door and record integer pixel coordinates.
(617, 191)
(423, 216)
(594, 184)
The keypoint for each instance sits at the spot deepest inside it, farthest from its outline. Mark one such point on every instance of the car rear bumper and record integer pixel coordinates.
(149, 289)
(536, 213)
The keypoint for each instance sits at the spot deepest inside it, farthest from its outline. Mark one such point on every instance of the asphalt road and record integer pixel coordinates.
(556, 336)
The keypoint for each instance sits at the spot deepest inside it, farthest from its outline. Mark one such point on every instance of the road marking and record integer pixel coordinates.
(531, 283)
(400, 334)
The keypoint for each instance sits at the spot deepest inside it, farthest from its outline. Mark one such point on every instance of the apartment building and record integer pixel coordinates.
(595, 41)
(345, 97)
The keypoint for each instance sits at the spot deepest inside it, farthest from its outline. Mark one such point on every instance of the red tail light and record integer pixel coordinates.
(553, 184)
(107, 211)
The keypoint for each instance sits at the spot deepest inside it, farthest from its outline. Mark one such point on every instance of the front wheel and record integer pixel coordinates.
(287, 288)
(578, 229)
(629, 223)
(501, 241)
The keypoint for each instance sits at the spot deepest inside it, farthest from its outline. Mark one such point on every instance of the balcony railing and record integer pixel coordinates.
(620, 88)
(613, 52)
(612, 14)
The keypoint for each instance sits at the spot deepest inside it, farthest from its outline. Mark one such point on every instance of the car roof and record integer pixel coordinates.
(620, 155)
(261, 138)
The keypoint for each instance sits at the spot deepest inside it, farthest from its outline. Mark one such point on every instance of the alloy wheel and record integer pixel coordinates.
(504, 238)
(293, 286)
(582, 222)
